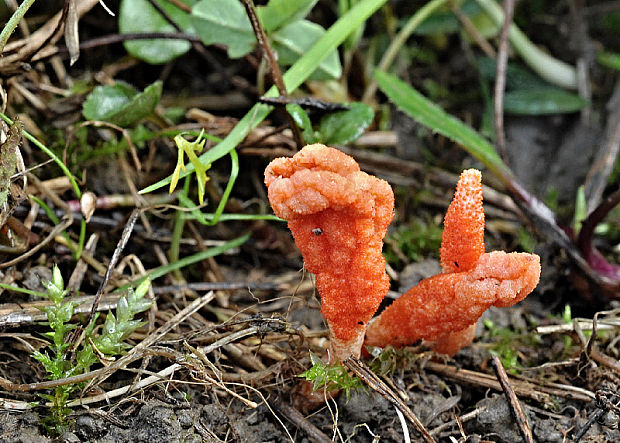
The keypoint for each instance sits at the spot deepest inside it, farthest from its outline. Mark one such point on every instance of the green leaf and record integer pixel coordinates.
(65, 312)
(339, 128)
(55, 288)
(294, 40)
(432, 116)
(122, 310)
(121, 104)
(86, 358)
(551, 69)
(330, 377)
(109, 327)
(517, 77)
(542, 101)
(224, 22)
(581, 210)
(609, 60)
(57, 280)
(139, 16)
(280, 13)
(302, 121)
(141, 305)
(139, 293)
(446, 22)
(293, 78)
(43, 358)
(528, 94)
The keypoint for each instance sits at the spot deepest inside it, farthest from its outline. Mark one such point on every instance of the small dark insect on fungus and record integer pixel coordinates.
(317, 231)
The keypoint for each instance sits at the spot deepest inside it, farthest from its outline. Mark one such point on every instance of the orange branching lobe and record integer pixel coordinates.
(453, 342)
(462, 241)
(448, 303)
(338, 216)
(444, 308)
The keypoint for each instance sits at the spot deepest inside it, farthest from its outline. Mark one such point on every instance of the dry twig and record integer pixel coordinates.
(374, 382)
(523, 388)
(513, 401)
(500, 79)
(276, 75)
(297, 419)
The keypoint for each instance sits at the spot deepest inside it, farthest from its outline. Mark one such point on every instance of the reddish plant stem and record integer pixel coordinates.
(584, 238)
(500, 79)
(276, 75)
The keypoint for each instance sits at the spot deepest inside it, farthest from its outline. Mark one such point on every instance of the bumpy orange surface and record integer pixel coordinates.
(338, 216)
(448, 303)
(462, 242)
(453, 342)
(445, 307)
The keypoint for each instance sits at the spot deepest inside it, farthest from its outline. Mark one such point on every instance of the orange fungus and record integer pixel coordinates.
(338, 216)
(462, 242)
(444, 308)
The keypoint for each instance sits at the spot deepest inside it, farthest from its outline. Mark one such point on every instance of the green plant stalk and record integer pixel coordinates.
(293, 78)
(401, 38)
(13, 22)
(80, 247)
(177, 230)
(189, 260)
(206, 218)
(64, 363)
(22, 290)
(55, 220)
(212, 219)
(81, 240)
(234, 172)
(551, 69)
(50, 154)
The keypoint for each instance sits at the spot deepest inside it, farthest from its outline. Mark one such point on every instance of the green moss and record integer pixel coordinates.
(413, 242)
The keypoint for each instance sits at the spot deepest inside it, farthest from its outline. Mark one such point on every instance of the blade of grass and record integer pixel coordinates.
(189, 260)
(551, 69)
(10, 26)
(401, 38)
(294, 77)
(206, 218)
(429, 114)
(234, 172)
(23, 290)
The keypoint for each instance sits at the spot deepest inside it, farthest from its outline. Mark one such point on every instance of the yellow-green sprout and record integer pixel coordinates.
(190, 148)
